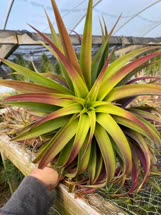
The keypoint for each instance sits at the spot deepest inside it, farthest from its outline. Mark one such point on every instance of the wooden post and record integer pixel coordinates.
(7, 50)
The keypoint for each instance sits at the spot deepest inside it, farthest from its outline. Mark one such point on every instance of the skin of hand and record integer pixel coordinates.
(48, 176)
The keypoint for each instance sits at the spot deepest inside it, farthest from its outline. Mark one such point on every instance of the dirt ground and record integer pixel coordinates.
(4, 194)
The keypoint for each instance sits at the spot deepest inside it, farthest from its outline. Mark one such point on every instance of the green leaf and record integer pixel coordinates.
(92, 121)
(92, 163)
(59, 141)
(38, 108)
(86, 48)
(77, 81)
(130, 118)
(62, 67)
(64, 155)
(31, 132)
(110, 125)
(84, 156)
(83, 160)
(96, 86)
(131, 90)
(68, 110)
(153, 131)
(102, 55)
(107, 151)
(81, 134)
(99, 167)
(54, 35)
(36, 77)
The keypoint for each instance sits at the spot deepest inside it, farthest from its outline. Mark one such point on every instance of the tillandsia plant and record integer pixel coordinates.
(96, 138)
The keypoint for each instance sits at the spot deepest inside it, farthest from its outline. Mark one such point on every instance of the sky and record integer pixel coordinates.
(146, 24)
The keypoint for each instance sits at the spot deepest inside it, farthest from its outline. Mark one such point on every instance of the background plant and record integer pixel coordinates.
(96, 138)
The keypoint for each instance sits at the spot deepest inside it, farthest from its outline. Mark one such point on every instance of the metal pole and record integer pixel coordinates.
(8, 14)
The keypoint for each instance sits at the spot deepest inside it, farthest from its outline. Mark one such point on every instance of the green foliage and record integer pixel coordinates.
(45, 66)
(147, 202)
(96, 138)
(154, 68)
(21, 61)
(10, 173)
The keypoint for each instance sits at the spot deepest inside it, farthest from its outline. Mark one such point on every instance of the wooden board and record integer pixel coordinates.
(66, 203)
(27, 38)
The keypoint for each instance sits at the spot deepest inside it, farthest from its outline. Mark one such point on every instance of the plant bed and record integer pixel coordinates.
(66, 203)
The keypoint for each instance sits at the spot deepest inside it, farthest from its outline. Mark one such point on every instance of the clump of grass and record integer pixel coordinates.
(10, 173)
(146, 202)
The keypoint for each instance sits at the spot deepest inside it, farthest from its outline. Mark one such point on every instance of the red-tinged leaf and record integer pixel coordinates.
(135, 169)
(96, 87)
(132, 90)
(31, 132)
(57, 78)
(59, 141)
(151, 135)
(101, 55)
(143, 153)
(61, 66)
(78, 83)
(154, 132)
(98, 185)
(120, 139)
(44, 98)
(86, 48)
(118, 76)
(85, 151)
(37, 109)
(150, 78)
(80, 164)
(66, 42)
(54, 35)
(37, 78)
(107, 151)
(68, 110)
(124, 60)
(58, 43)
(27, 87)
(146, 115)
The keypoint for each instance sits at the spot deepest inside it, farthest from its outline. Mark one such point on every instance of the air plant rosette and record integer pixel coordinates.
(96, 138)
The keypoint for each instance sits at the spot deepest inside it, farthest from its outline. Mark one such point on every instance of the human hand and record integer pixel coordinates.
(48, 176)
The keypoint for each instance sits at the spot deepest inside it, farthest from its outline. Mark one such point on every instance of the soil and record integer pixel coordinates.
(4, 194)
